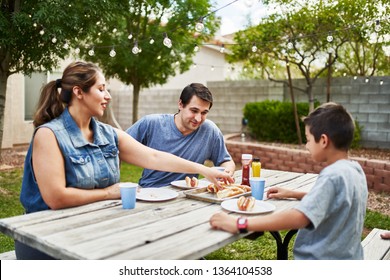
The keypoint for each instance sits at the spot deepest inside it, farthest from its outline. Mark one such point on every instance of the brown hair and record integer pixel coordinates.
(52, 103)
(196, 89)
(333, 120)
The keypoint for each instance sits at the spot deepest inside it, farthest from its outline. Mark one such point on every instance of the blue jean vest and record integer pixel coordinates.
(87, 165)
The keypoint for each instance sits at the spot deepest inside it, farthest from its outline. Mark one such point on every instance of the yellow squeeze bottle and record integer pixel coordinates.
(256, 167)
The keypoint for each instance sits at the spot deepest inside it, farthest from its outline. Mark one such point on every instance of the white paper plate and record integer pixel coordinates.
(260, 207)
(156, 194)
(182, 184)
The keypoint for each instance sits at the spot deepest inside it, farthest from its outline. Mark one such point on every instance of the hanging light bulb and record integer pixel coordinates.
(54, 40)
(159, 57)
(151, 41)
(367, 80)
(130, 36)
(378, 26)
(195, 65)
(42, 32)
(196, 48)
(381, 82)
(254, 48)
(212, 68)
(77, 50)
(329, 38)
(167, 42)
(355, 77)
(199, 26)
(135, 49)
(112, 52)
(222, 49)
(114, 30)
(290, 45)
(91, 52)
(66, 46)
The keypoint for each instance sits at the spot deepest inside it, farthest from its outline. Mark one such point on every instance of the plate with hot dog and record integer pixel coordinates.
(247, 205)
(190, 183)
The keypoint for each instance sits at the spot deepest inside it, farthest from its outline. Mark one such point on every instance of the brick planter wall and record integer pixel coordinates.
(295, 160)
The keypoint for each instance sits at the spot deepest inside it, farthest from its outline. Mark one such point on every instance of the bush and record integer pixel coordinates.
(273, 121)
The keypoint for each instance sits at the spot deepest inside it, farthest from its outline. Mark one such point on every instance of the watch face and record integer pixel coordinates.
(242, 221)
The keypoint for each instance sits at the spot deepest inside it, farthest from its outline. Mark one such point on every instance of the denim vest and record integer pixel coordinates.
(87, 165)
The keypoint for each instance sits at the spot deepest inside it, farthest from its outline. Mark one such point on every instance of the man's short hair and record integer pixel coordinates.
(196, 89)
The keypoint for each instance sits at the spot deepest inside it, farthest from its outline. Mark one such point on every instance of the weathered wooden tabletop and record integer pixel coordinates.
(173, 229)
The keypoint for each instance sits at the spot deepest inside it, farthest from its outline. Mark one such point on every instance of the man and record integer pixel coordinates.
(187, 134)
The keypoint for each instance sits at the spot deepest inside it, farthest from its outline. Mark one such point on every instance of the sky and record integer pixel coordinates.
(235, 16)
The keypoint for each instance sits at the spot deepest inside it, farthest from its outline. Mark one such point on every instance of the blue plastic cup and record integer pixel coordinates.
(257, 186)
(128, 194)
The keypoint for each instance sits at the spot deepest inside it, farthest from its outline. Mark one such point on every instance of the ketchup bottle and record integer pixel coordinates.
(246, 160)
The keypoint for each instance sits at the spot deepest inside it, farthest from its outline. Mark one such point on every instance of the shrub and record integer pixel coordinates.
(273, 121)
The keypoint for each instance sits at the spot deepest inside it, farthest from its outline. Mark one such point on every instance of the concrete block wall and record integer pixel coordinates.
(296, 160)
(368, 102)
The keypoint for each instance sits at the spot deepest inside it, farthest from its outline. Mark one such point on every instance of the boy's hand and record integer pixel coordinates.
(224, 222)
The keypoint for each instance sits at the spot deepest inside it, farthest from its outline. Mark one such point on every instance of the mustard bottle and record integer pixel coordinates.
(256, 167)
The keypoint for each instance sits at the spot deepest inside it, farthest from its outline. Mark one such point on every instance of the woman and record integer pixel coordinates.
(73, 159)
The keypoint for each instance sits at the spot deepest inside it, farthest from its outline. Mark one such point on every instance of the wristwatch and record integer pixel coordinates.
(242, 224)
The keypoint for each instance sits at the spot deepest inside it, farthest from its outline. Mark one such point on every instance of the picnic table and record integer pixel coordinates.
(171, 229)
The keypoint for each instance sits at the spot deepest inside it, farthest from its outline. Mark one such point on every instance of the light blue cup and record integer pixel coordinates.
(257, 186)
(128, 194)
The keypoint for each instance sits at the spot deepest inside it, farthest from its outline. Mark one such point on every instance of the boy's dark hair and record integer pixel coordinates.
(333, 120)
(196, 89)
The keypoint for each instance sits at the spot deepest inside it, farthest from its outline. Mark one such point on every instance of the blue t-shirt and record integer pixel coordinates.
(159, 131)
(336, 207)
(87, 165)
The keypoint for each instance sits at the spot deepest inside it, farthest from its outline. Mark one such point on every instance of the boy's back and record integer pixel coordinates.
(336, 207)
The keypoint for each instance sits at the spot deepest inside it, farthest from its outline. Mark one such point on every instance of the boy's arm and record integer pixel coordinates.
(289, 219)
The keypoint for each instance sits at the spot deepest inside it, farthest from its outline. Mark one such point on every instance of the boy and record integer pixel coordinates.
(330, 217)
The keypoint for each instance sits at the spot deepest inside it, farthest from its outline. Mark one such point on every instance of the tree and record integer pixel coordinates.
(311, 36)
(300, 36)
(36, 34)
(134, 40)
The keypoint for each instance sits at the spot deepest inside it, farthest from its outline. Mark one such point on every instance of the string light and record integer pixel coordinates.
(135, 49)
(66, 45)
(54, 40)
(222, 49)
(196, 48)
(112, 52)
(199, 26)
(42, 32)
(151, 41)
(367, 80)
(130, 36)
(378, 26)
(77, 50)
(381, 82)
(91, 52)
(167, 42)
(329, 38)
(290, 45)
(254, 48)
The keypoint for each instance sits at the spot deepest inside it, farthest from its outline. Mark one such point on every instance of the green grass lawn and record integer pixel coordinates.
(264, 248)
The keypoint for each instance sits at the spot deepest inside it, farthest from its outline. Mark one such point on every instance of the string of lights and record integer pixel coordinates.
(199, 27)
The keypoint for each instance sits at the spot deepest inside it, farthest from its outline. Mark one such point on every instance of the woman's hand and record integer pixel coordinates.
(215, 176)
(224, 222)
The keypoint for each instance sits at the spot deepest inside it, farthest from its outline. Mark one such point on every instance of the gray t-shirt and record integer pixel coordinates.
(159, 131)
(336, 207)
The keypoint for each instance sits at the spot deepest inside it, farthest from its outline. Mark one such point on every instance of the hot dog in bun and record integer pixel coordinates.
(246, 203)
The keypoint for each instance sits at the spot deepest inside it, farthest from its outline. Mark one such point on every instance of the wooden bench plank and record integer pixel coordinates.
(374, 247)
(10, 255)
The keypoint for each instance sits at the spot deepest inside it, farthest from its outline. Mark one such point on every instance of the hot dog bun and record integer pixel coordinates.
(191, 182)
(246, 203)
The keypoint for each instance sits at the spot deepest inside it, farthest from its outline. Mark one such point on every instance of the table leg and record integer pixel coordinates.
(282, 245)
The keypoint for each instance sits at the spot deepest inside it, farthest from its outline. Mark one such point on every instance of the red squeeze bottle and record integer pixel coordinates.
(246, 160)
